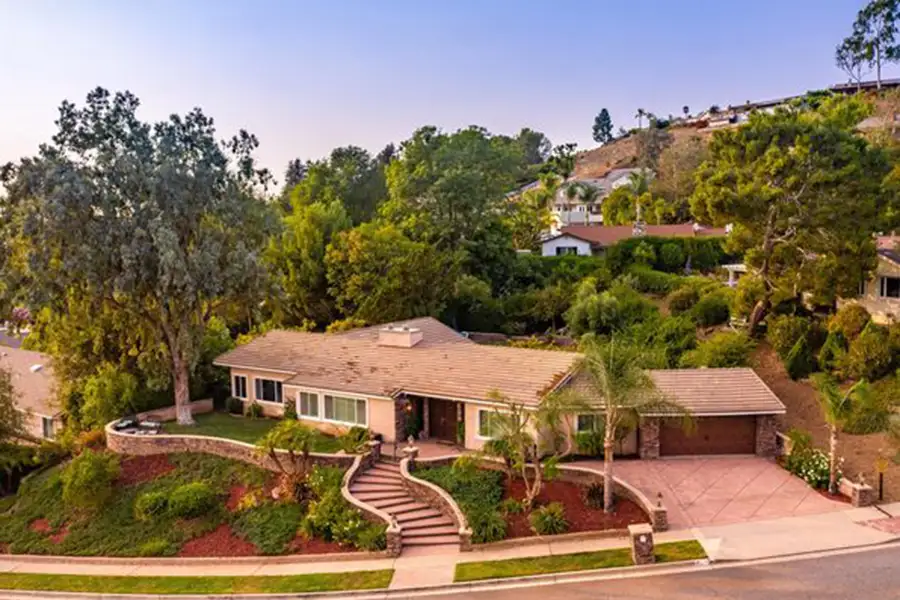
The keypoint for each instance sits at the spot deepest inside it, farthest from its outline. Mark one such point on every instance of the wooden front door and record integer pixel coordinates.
(442, 419)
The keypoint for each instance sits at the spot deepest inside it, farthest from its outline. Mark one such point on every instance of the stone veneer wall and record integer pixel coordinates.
(393, 534)
(438, 499)
(198, 407)
(648, 437)
(766, 435)
(142, 445)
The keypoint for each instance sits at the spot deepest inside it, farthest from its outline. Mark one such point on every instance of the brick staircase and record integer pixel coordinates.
(381, 486)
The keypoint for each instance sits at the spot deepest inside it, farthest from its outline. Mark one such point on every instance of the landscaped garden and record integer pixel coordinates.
(104, 504)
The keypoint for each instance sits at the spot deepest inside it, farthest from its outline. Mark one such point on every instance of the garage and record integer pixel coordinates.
(711, 435)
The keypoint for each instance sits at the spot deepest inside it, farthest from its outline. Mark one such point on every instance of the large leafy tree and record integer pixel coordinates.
(528, 214)
(562, 161)
(603, 127)
(377, 274)
(535, 146)
(160, 222)
(297, 258)
(873, 40)
(801, 192)
(674, 182)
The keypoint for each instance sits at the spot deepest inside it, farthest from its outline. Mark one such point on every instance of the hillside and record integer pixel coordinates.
(621, 153)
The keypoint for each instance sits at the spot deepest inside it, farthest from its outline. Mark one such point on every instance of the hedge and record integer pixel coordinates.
(704, 253)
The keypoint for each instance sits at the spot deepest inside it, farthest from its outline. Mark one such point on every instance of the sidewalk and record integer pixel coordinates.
(419, 567)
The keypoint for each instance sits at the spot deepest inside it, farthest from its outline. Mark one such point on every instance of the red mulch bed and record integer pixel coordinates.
(219, 542)
(41, 526)
(60, 535)
(300, 545)
(579, 516)
(138, 469)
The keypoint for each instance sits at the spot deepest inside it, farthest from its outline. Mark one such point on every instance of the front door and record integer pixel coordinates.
(442, 419)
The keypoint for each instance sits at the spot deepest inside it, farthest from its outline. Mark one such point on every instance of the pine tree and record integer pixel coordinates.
(603, 127)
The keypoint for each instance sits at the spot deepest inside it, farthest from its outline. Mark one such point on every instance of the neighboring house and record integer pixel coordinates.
(425, 373)
(881, 294)
(33, 385)
(586, 240)
(566, 211)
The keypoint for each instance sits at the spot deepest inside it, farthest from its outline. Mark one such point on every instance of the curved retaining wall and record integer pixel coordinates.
(437, 498)
(583, 476)
(142, 445)
(361, 463)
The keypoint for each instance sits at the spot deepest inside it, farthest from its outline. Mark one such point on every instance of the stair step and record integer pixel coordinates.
(377, 472)
(440, 540)
(416, 515)
(389, 495)
(386, 466)
(378, 480)
(410, 505)
(440, 521)
(374, 487)
(387, 503)
(430, 532)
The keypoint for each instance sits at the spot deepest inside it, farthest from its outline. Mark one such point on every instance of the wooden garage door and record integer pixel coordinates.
(711, 435)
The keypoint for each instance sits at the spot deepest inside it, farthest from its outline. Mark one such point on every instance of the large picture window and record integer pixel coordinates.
(345, 410)
(268, 390)
(486, 423)
(239, 388)
(890, 287)
(309, 405)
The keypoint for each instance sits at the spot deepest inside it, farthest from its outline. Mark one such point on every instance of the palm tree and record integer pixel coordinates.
(639, 181)
(615, 375)
(571, 194)
(588, 196)
(837, 406)
(639, 115)
(294, 439)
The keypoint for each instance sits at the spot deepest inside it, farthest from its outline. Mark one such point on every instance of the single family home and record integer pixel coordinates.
(420, 377)
(881, 294)
(586, 240)
(33, 386)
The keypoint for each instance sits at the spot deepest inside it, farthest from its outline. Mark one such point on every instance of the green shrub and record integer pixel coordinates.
(849, 321)
(683, 299)
(353, 441)
(290, 411)
(800, 361)
(832, 352)
(872, 413)
(88, 480)
(191, 500)
(487, 526)
(783, 332)
(372, 538)
(511, 506)
(589, 443)
(592, 494)
(234, 405)
(323, 480)
(646, 280)
(723, 349)
(644, 254)
(672, 257)
(270, 526)
(711, 309)
(157, 548)
(869, 355)
(806, 462)
(549, 520)
(254, 410)
(333, 519)
(150, 505)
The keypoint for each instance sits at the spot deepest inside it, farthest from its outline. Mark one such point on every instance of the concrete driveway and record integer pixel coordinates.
(700, 491)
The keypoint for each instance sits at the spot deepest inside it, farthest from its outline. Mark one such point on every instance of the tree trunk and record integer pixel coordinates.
(768, 247)
(608, 475)
(832, 460)
(181, 378)
(878, 66)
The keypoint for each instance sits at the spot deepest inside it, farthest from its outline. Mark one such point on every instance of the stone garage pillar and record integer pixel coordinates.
(648, 437)
(766, 442)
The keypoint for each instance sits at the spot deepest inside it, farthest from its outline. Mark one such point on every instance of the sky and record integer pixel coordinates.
(306, 76)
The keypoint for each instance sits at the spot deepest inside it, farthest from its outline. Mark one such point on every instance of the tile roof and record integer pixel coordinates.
(718, 391)
(444, 364)
(34, 389)
(709, 392)
(602, 235)
(888, 246)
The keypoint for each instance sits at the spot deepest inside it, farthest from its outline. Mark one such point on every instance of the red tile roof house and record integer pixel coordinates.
(378, 377)
(585, 240)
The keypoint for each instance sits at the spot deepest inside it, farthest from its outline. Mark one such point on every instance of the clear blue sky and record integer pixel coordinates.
(307, 76)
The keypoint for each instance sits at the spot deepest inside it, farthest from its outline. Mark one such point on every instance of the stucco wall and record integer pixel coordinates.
(548, 248)
(269, 409)
(883, 310)
(34, 424)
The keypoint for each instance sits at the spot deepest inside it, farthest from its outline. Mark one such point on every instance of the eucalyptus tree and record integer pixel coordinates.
(161, 222)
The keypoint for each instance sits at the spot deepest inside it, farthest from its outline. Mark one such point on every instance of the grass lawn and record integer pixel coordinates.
(242, 429)
(582, 561)
(288, 584)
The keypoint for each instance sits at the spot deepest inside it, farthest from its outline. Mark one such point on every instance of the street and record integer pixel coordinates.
(872, 574)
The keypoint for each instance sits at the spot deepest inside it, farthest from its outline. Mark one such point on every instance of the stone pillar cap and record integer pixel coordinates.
(640, 528)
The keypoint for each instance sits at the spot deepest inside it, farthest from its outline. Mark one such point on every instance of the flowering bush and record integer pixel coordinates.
(808, 463)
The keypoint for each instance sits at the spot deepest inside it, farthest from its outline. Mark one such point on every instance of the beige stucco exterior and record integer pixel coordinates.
(34, 424)
(883, 310)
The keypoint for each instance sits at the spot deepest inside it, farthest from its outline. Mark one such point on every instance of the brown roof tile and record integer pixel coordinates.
(718, 391)
(602, 235)
(444, 363)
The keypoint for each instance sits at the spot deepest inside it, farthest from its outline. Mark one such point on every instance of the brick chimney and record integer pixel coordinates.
(397, 336)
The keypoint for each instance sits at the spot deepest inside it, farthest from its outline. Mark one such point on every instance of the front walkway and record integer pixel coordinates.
(701, 491)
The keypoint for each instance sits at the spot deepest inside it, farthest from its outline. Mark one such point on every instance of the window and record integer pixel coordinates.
(309, 405)
(239, 389)
(486, 423)
(268, 390)
(586, 423)
(563, 250)
(890, 287)
(47, 427)
(345, 410)
(862, 288)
